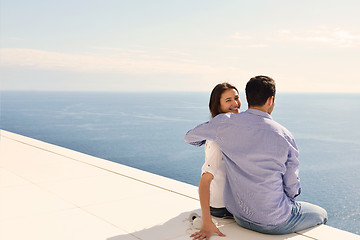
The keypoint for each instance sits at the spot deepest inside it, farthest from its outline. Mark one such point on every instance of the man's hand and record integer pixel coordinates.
(206, 231)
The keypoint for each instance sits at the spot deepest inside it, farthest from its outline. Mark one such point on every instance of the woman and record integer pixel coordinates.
(224, 98)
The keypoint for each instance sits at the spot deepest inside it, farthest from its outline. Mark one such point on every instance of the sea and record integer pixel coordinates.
(146, 130)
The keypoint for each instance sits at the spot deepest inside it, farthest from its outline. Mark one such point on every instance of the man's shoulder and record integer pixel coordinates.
(278, 128)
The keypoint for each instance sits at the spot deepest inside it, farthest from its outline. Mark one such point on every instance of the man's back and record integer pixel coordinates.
(261, 165)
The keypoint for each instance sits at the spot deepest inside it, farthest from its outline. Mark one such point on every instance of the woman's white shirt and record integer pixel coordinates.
(214, 164)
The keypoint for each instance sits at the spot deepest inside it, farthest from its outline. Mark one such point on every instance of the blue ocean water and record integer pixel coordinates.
(146, 131)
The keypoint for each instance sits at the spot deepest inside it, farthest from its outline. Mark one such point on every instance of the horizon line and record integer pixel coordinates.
(159, 91)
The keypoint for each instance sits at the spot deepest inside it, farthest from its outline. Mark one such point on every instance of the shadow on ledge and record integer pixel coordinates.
(180, 227)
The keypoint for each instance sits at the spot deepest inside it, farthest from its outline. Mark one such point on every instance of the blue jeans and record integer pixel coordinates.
(220, 212)
(303, 215)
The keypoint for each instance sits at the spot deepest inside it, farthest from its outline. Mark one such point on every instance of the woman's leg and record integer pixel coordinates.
(220, 212)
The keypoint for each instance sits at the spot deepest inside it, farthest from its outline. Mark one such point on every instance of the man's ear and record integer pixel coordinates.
(270, 101)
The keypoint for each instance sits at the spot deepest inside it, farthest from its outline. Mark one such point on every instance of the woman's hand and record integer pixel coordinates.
(208, 227)
(206, 231)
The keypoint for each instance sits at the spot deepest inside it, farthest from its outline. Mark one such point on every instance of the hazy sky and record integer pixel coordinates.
(179, 45)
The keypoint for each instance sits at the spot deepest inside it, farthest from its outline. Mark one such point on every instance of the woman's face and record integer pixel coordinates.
(230, 101)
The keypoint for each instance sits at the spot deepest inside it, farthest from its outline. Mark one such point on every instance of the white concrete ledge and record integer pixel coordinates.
(50, 192)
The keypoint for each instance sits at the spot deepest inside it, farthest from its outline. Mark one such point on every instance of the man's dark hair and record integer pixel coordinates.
(259, 89)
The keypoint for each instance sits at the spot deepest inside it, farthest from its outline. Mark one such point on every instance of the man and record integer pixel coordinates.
(261, 160)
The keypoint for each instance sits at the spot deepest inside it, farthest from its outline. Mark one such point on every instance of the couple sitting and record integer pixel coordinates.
(251, 165)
